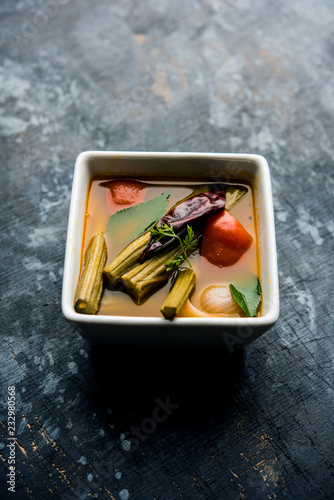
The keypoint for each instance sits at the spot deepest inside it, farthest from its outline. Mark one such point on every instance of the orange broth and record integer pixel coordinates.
(119, 303)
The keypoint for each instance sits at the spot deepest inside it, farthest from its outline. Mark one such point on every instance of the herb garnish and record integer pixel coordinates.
(187, 244)
(247, 294)
(128, 223)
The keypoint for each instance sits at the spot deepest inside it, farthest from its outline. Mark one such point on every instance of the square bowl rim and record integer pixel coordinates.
(265, 320)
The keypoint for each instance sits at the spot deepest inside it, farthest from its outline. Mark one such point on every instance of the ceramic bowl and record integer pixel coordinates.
(227, 334)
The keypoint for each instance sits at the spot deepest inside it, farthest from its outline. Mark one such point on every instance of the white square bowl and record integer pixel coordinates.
(227, 334)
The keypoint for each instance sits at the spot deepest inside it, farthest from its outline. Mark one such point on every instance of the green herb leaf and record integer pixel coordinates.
(188, 244)
(247, 294)
(128, 223)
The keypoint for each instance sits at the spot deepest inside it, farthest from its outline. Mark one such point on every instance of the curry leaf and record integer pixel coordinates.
(247, 294)
(129, 223)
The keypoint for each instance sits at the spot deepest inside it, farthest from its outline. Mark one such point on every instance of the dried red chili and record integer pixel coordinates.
(193, 211)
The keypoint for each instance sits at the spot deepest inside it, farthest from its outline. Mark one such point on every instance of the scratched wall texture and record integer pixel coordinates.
(197, 75)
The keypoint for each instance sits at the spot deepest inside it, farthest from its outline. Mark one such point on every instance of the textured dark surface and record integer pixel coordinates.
(199, 75)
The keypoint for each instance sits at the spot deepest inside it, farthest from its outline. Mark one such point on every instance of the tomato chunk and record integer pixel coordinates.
(125, 192)
(225, 240)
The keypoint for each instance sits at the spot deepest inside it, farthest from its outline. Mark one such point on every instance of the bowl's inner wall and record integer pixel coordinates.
(195, 168)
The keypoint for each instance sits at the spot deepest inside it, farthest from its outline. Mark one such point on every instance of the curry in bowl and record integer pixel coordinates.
(159, 248)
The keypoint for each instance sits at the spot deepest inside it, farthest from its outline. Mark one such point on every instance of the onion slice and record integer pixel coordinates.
(216, 302)
(217, 299)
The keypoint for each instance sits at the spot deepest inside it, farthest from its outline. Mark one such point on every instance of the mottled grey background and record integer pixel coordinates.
(193, 75)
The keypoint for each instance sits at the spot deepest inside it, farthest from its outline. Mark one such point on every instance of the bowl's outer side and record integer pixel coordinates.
(227, 334)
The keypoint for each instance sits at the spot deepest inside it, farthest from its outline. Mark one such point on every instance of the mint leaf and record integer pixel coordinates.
(247, 295)
(128, 223)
